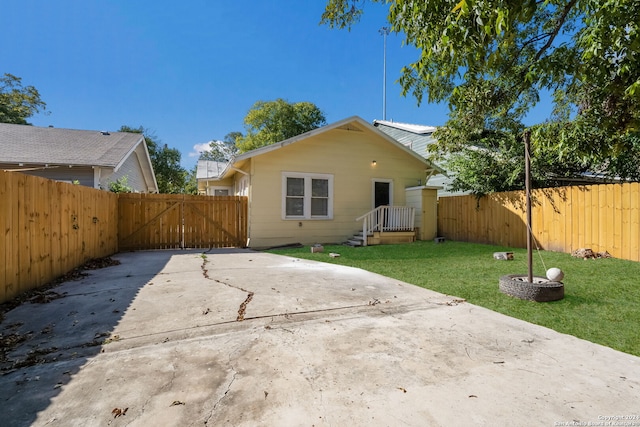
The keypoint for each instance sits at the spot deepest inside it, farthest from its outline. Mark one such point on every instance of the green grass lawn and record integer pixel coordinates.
(602, 296)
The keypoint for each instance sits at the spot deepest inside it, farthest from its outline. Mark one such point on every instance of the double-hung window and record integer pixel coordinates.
(307, 196)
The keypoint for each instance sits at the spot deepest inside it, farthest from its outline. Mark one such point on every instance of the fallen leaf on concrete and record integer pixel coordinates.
(402, 389)
(97, 263)
(472, 395)
(45, 297)
(119, 412)
(266, 393)
(112, 339)
(177, 403)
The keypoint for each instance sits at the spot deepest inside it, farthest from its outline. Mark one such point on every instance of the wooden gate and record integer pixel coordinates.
(177, 221)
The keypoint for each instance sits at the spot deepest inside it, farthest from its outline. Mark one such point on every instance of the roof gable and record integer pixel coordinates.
(353, 123)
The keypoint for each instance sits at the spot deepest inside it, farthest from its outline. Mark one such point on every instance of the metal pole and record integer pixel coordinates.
(384, 31)
(527, 174)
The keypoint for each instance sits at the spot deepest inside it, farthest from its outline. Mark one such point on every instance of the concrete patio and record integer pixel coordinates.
(243, 338)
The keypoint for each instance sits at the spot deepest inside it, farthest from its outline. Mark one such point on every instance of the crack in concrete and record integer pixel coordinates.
(63, 356)
(215, 405)
(308, 375)
(325, 418)
(166, 386)
(243, 306)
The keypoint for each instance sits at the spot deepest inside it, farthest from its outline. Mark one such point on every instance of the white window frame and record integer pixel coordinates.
(307, 196)
(211, 191)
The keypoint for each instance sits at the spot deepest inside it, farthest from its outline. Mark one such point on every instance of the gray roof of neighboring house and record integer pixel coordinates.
(416, 137)
(37, 145)
(209, 169)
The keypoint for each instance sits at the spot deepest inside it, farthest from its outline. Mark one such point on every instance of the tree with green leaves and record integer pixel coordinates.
(268, 122)
(191, 181)
(222, 151)
(121, 185)
(492, 61)
(18, 102)
(172, 178)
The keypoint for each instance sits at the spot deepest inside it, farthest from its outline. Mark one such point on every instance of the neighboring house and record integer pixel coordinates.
(312, 188)
(418, 138)
(90, 158)
(207, 175)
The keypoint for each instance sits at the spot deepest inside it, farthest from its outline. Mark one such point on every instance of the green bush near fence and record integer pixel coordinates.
(602, 296)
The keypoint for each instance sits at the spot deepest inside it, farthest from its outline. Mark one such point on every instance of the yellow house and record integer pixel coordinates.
(328, 184)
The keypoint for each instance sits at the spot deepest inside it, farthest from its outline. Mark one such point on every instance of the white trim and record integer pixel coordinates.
(146, 167)
(210, 191)
(97, 176)
(242, 186)
(132, 149)
(307, 195)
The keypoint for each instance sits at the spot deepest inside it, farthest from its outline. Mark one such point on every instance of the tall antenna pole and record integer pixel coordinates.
(527, 171)
(384, 31)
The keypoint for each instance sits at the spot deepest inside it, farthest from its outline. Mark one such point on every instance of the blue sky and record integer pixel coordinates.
(190, 70)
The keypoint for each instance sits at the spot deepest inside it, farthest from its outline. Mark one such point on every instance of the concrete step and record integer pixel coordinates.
(355, 241)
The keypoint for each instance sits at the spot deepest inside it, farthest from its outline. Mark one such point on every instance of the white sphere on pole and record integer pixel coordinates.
(555, 274)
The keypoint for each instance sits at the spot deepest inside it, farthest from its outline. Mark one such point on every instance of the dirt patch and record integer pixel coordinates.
(95, 264)
(9, 342)
(34, 357)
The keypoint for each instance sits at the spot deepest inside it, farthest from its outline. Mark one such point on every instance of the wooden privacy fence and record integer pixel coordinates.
(49, 228)
(600, 217)
(172, 221)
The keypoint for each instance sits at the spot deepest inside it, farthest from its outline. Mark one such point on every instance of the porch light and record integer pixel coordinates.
(373, 163)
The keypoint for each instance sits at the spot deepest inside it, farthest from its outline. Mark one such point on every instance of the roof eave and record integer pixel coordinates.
(432, 166)
(151, 181)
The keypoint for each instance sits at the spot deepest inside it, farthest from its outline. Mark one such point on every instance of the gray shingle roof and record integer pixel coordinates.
(53, 146)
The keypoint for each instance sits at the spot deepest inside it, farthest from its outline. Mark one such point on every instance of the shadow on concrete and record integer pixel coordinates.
(49, 338)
